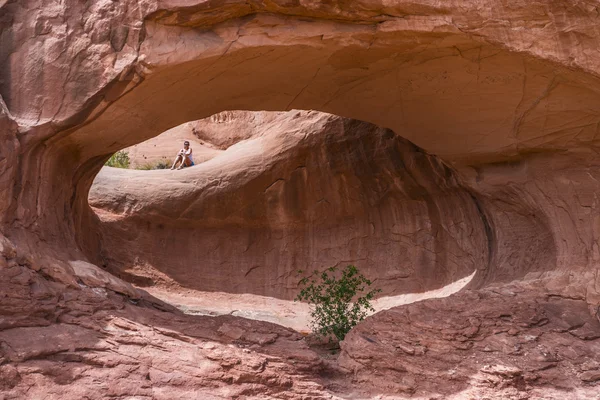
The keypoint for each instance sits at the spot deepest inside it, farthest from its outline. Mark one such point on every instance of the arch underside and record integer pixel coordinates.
(497, 117)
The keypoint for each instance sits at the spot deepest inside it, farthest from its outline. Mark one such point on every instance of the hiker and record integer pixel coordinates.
(184, 157)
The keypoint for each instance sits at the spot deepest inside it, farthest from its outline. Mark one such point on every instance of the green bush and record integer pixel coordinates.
(118, 160)
(336, 303)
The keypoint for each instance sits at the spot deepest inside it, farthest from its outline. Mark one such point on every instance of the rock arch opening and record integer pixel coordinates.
(480, 107)
(495, 115)
(275, 192)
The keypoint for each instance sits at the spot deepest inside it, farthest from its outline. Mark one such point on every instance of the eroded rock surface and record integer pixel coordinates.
(504, 93)
(75, 341)
(503, 342)
(296, 191)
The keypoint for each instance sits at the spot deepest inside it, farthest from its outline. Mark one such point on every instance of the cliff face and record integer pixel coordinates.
(502, 97)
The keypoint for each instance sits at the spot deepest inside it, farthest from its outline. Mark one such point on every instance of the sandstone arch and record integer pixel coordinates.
(424, 77)
(506, 93)
(287, 192)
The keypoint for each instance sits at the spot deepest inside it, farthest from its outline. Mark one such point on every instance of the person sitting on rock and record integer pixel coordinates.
(184, 157)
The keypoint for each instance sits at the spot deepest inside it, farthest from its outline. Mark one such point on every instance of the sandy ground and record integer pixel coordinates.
(291, 314)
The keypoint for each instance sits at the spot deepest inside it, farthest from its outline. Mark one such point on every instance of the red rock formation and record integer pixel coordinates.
(162, 150)
(504, 92)
(501, 342)
(305, 191)
(68, 342)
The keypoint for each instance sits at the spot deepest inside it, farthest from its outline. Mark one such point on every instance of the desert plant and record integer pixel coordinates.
(164, 164)
(161, 164)
(145, 167)
(337, 302)
(118, 160)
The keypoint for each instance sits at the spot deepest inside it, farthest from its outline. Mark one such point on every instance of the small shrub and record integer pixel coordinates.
(337, 304)
(118, 160)
(162, 164)
(145, 167)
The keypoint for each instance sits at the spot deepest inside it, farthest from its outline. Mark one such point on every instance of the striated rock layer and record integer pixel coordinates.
(505, 94)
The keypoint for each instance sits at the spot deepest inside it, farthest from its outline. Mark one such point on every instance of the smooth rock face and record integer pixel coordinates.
(506, 94)
(303, 191)
(164, 148)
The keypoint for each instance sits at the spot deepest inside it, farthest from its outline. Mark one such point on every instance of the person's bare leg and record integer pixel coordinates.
(176, 161)
(185, 163)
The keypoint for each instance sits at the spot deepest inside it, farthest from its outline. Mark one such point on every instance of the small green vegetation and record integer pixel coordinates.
(338, 301)
(118, 160)
(161, 164)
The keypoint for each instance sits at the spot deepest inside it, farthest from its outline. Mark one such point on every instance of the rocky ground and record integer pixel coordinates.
(515, 341)
(509, 342)
(288, 313)
(60, 342)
